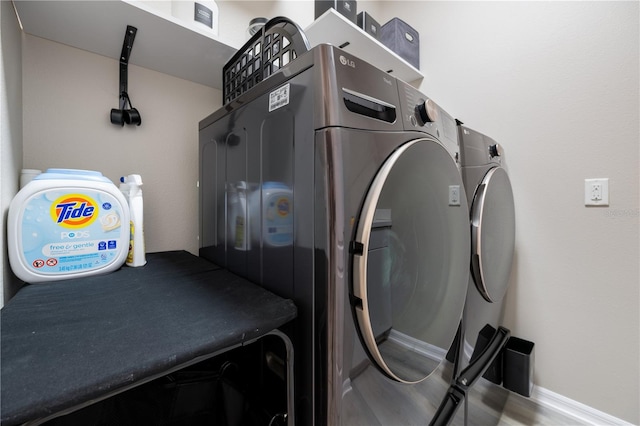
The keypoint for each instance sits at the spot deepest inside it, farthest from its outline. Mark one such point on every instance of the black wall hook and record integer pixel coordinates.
(124, 115)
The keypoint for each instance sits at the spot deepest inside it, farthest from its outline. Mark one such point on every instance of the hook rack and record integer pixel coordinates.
(126, 115)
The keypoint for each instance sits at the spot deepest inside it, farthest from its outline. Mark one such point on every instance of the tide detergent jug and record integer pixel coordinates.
(67, 223)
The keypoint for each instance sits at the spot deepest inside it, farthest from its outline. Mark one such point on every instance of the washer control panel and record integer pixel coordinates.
(420, 113)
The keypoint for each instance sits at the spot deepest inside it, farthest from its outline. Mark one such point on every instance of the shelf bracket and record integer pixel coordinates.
(124, 115)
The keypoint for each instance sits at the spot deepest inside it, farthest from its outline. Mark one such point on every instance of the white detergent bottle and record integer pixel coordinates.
(131, 187)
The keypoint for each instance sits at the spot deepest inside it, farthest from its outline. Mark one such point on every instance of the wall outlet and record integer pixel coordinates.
(596, 192)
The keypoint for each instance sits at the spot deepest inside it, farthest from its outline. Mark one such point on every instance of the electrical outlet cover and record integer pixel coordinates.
(596, 192)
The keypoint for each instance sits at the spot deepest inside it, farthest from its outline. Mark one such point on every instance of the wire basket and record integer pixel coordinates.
(279, 42)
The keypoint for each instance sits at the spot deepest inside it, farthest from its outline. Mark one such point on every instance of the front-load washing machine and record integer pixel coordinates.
(336, 185)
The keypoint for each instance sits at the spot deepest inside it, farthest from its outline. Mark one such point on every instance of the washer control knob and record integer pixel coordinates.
(495, 150)
(428, 111)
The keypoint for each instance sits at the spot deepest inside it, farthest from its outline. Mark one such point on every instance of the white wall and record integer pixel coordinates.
(236, 15)
(10, 131)
(557, 84)
(68, 94)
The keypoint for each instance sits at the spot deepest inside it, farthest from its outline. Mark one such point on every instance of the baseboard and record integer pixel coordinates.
(577, 410)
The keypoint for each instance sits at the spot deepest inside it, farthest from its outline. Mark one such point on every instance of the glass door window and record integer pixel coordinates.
(410, 261)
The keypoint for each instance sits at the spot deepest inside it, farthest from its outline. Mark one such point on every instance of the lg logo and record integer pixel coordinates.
(347, 62)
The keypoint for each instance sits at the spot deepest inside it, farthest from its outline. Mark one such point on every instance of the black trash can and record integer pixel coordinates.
(517, 367)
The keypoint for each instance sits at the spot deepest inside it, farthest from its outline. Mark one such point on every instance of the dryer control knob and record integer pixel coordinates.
(428, 111)
(495, 150)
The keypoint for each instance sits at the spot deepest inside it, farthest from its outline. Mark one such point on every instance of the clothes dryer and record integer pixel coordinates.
(492, 221)
(492, 213)
(354, 175)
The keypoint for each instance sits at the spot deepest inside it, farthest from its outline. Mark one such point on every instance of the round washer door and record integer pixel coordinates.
(410, 261)
(493, 229)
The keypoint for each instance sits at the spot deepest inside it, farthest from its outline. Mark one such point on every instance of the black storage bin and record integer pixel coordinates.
(279, 42)
(347, 8)
(398, 36)
(368, 24)
(517, 366)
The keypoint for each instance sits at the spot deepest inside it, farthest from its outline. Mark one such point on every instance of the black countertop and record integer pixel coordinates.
(65, 344)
